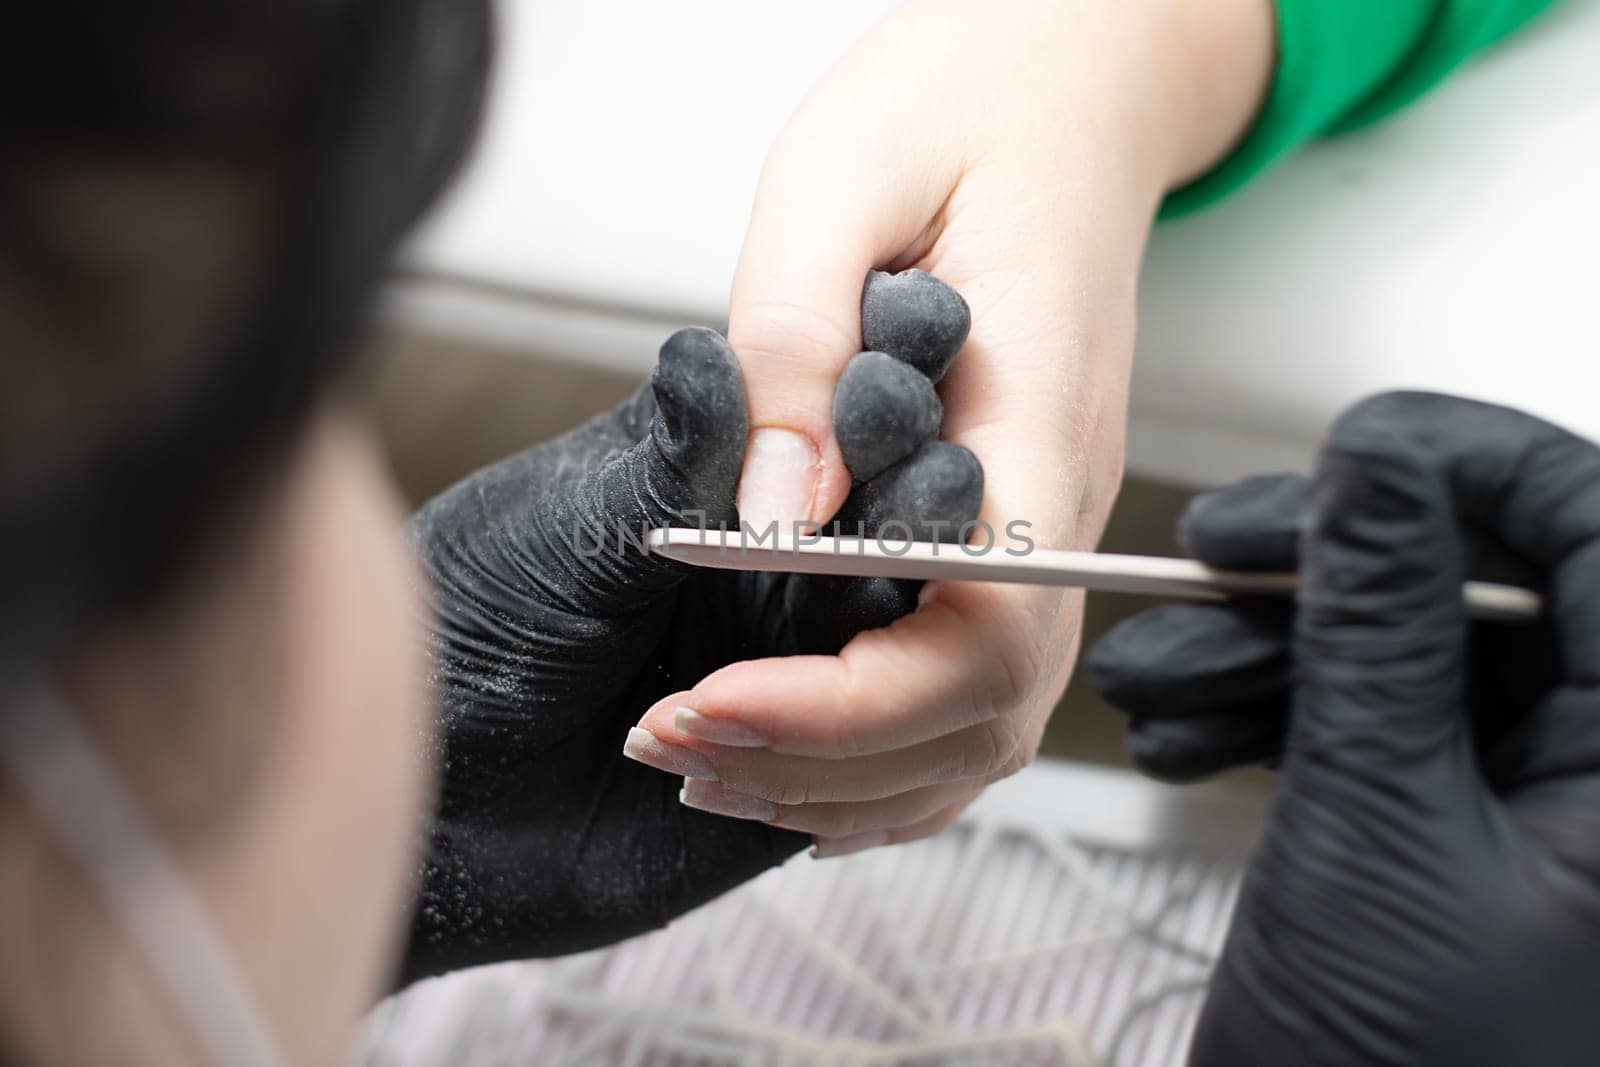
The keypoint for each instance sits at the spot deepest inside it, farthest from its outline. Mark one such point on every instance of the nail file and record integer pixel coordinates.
(1104, 572)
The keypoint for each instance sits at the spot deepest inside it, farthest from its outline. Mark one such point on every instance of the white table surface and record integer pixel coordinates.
(1451, 248)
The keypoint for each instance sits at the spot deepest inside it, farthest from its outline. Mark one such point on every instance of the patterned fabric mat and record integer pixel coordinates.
(1014, 938)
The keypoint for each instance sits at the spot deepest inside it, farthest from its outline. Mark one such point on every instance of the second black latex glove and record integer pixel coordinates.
(1207, 686)
(1403, 907)
(553, 634)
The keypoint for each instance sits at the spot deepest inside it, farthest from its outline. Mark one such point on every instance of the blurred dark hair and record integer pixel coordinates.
(198, 201)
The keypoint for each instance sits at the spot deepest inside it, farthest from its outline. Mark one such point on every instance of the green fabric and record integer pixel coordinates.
(1345, 63)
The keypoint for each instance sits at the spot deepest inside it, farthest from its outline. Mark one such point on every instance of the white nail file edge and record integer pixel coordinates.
(1104, 572)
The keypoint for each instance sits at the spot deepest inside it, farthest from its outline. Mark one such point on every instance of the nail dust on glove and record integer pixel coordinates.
(553, 631)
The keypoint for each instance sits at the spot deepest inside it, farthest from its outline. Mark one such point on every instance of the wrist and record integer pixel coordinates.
(1165, 91)
(1221, 58)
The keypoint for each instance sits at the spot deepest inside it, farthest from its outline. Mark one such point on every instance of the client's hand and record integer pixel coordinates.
(1427, 892)
(1018, 149)
(554, 632)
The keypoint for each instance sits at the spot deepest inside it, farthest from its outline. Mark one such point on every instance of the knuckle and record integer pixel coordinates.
(988, 750)
(1010, 682)
(842, 820)
(789, 333)
(930, 827)
(784, 792)
(1005, 741)
(1020, 757)
(846, 734)
(790, 793)
(983, 750)
(838, 819)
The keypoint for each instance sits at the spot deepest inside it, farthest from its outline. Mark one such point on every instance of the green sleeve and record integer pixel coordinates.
(1344, 63)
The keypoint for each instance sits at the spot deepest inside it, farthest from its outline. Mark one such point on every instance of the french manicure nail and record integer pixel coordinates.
(647, 748)
(709, 796)
(781, 469)
(718, 731)
(827, 848)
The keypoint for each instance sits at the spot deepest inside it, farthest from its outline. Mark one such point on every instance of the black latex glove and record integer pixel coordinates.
(1404, 908)
(548, 647)
(1207, 686)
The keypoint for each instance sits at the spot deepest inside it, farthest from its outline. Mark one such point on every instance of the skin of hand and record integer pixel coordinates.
(1018, 150)
(1428, 892)
(552, 631)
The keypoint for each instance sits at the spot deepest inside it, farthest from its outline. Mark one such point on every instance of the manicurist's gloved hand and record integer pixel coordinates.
(1207, 686)
(1427, 892)
(553, 633)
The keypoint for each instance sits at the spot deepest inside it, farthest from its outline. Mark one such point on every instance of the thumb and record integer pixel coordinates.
(682, 472)
(1381, 630)
(825, 213)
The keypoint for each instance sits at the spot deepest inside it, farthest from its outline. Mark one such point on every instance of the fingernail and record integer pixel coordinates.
(827, 848)
(709, 796)
(780, 478)
(718, 731)
(647, 748)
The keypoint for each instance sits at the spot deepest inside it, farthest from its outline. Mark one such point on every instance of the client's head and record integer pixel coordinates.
(200, 558)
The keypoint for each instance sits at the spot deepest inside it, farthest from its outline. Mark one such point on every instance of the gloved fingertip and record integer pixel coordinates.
(1112, 662)
(1185, 659)
(700, 424)
(1168, 757)
(698, 387)
(916, 318)
(1131, 665)
(1252, 525)
(883, 410)
(1186, 750)
(929, 497)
